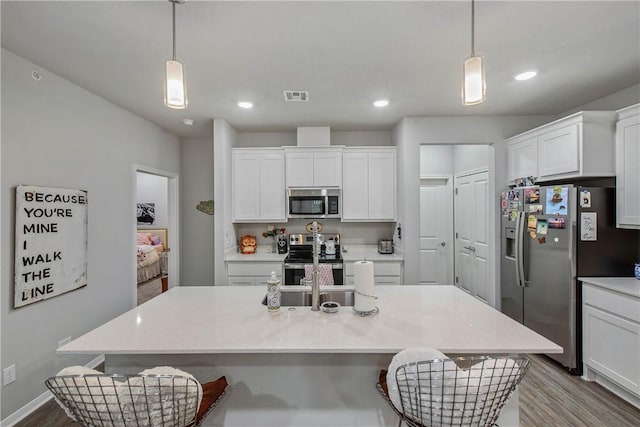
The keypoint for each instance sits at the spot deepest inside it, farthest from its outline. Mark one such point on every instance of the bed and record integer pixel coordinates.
(151, 245)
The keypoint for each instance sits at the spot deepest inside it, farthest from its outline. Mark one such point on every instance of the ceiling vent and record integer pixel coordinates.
(295, 95)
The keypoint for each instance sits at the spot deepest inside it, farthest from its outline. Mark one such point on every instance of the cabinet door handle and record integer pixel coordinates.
(443, 244)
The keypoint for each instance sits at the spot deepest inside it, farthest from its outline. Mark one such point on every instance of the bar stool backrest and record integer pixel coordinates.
(464, 391)
(128, 400)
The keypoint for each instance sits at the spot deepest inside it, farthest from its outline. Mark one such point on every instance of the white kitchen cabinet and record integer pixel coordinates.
(522, 157)
(628, 167)
(384, 273)
(249, 273)
(611, 340)
(369, 184)
(258, 187)
(313, 167)
(578, 146)
(559, 151)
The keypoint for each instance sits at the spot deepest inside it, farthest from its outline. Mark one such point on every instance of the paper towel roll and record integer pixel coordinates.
(363, 277)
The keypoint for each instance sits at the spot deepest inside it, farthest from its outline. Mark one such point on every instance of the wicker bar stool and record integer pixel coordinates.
(462, 391)
(136, 400)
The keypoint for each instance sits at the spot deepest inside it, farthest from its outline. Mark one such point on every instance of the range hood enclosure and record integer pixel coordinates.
(318, 136)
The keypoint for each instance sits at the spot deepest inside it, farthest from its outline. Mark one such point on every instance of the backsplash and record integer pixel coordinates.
(351, 233)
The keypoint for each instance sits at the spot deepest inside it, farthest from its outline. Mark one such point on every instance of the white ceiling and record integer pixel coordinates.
(346, 54)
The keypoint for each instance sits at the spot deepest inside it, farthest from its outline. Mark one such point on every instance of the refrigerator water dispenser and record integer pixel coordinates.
(510, 243)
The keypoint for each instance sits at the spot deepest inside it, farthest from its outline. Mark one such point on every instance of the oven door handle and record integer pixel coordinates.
(294, 266)
(334, 266)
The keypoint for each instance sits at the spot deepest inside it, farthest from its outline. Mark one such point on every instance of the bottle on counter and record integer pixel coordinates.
(273, 293)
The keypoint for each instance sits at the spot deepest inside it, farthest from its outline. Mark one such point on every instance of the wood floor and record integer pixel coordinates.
(149, 289)
(549, 397)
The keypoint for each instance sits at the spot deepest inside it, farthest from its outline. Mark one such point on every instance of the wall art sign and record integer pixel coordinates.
(51, 242)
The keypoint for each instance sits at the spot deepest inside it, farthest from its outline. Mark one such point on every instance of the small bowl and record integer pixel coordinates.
(330, 307)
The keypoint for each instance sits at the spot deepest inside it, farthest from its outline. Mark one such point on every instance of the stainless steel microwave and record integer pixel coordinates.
(313, 203)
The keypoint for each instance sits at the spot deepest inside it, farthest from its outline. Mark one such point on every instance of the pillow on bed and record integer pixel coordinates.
(155, 240)
(143, 239)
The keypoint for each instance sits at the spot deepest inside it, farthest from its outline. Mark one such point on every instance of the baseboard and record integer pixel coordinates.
(36, 403)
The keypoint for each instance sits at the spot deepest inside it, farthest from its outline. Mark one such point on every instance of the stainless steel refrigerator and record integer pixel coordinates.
(549, 237)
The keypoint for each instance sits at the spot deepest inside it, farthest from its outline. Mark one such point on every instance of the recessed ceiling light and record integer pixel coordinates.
(245, 104)
(526, 75)
(187, 122)
(381, 103)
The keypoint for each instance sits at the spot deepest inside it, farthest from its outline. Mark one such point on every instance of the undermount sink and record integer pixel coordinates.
(303, 298)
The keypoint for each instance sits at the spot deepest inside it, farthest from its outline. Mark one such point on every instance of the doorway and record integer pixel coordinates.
(467, 169)
(472, 253)
(156, 196)
(436, 230)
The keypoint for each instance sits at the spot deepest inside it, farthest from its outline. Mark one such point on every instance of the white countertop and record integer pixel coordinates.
(261, 255)
(624, 285)
(221, 319)
(368, 252)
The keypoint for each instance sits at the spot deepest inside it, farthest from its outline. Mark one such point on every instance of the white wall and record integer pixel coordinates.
(361, 138)
(57, 134)
(411, 132)
(470, 158)
(612, 102)
(436, 160)
(224, 138)
(278, 139)
(154, 189)
(265, 139)
(197, 232)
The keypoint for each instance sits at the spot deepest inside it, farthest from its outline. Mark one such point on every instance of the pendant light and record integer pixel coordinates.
(175, 88)
(473, 76)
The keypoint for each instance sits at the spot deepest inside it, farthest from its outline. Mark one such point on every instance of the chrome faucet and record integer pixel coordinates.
(315, 283)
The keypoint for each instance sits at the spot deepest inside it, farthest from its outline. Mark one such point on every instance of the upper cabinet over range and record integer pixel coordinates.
(313, 167)
(580, 145)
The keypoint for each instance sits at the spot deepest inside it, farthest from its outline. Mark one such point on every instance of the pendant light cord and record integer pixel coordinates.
(473, 50)
(173, 3)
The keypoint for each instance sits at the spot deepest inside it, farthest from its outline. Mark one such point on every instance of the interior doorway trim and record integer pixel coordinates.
(173, 234)
(450, 220)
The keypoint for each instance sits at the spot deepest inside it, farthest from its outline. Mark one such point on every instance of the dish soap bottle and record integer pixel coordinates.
(273, 293)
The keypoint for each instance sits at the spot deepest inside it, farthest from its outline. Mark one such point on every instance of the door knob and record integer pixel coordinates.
(443, 244)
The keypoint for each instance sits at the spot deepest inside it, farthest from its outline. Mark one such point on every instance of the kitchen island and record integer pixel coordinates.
(297, 367)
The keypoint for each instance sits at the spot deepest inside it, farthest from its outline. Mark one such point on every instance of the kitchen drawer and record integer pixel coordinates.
(618, 304)
(387, 269)
(387, 280)
(379, 269)
(248, 268)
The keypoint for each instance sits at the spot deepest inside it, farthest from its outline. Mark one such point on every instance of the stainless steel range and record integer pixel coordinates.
(301, 253)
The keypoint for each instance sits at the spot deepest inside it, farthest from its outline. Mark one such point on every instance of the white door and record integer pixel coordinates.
(472, 234)
(435, 232)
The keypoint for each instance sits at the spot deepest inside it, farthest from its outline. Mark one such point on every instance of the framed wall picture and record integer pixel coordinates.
(146, 213)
